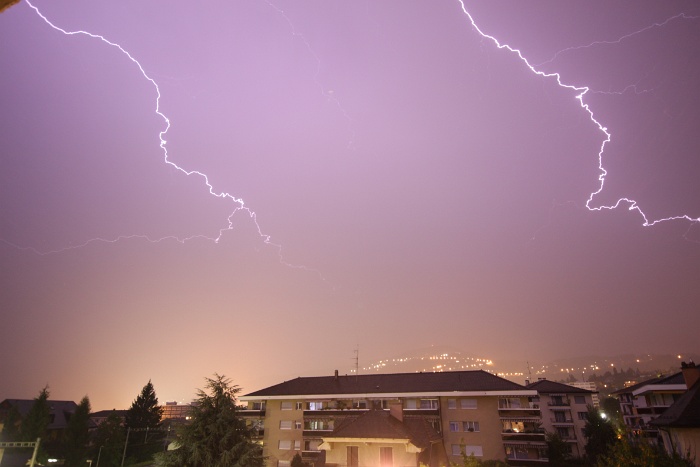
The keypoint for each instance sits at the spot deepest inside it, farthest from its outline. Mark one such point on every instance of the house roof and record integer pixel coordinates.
(544, 386)
(380, 424)
(60, 410)
(676, 378)
(683, 413)
(422, 383)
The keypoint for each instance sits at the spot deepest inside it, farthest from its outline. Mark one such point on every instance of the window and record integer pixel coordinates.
(285, 424)
(298, 406)
(411, 404)
(451, 403)
(458, 449)
(454, 426)
(315, 406)
(428, 404)
(579, 400)
(563, 432)
(297, 445)
(353, 459)
(582, 415)
(467, 403)
(283, 463)
(386, 457)
(509, 403)
(286, 405)
(470, 426)
(297, 424)
(312, 445)
(259, 405)
(284, 444)
(476, 450)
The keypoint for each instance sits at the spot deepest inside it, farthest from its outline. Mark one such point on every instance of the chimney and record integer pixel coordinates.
(691, 373)
(527, 382)
(336, 374)
(396, 410)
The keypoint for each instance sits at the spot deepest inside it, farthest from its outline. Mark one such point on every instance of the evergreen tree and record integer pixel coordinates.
(642, 454)
(108, 442)
(76, 436)
(36, 422)
(143, 420)
(217, 435)
(600, 435)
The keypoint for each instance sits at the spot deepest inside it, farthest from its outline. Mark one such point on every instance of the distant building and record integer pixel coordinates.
(564, 410)
(397, 419)
(176, 412)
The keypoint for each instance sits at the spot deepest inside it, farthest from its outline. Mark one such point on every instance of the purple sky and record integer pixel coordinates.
(418, 185)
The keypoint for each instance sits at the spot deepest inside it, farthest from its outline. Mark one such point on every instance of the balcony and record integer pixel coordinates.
(559, 403)
(252, 412)
(510, 435)
(307, 433)
(562, 421)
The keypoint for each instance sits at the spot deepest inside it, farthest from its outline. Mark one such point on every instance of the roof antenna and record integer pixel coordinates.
(529, 373)
(357, 360)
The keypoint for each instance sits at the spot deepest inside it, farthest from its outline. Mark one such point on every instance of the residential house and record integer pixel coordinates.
(468, 410)
(679, 425)
(643, 402)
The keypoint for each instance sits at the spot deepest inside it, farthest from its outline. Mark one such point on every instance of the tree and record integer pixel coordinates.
(217, 435)
(600, 434)
(76, 436)
(558, 451)
(36, 422)
(108, 442)
(297, 461)
(11, 425)
(642, 454)
(143, 422)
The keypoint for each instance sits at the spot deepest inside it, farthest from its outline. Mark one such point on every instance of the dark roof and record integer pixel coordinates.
(60, 410)
(106, 413)
(381, 424)
(450, 381)
(676, 378)
(684, 413)
(546, 387)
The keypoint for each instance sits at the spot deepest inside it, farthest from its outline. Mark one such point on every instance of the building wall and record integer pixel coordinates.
(683, 440)
(572, 412)
(368, 454)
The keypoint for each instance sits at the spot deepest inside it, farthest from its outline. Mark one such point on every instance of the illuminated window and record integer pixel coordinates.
(283, 463)
(299, 406)
(297, 445)
(315, 406)
(411, 404)
(476, 450)
(297, 425)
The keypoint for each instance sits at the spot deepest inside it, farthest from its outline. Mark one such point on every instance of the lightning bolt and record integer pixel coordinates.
(238, 202)
(581, 91)
(619, 39)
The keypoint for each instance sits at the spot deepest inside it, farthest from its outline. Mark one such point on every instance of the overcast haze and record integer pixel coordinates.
(419, 186)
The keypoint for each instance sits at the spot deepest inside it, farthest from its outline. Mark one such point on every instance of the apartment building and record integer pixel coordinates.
(643, 402)
(397, 419)
(564, 410)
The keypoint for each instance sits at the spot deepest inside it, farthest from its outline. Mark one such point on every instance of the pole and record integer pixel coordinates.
(36, 449)
(128, 430)
(99, 453)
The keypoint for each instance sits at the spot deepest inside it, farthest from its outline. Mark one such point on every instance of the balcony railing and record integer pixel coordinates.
(559, 403)
(562, 421)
